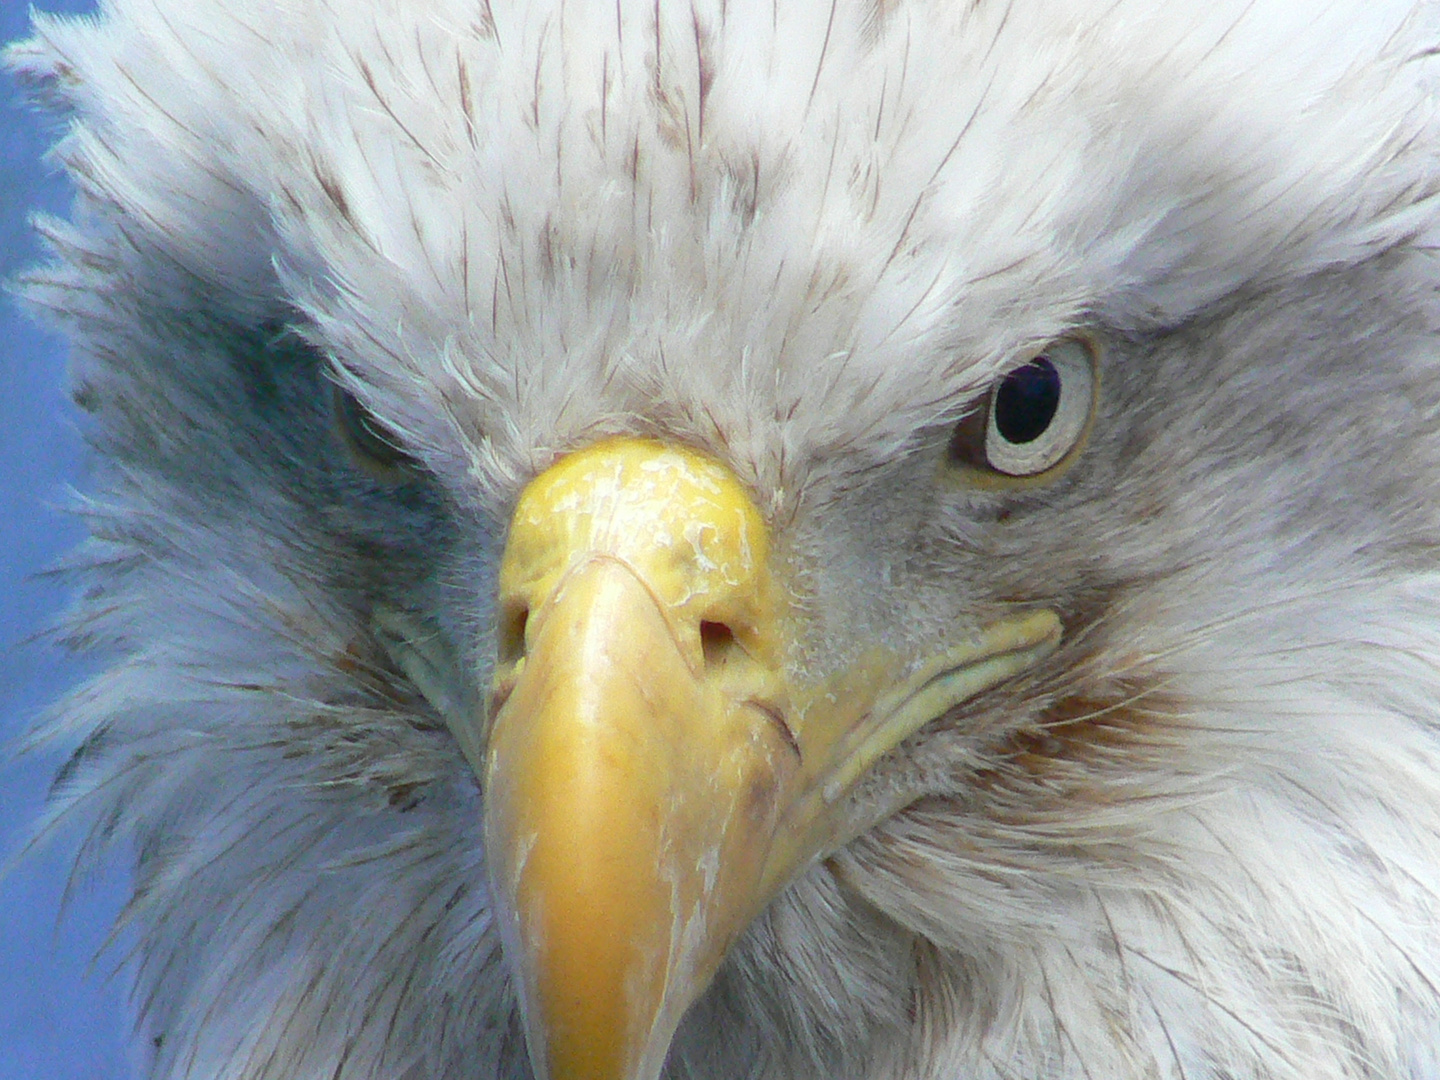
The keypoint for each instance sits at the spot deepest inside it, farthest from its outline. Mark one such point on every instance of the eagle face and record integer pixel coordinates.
(816, 540)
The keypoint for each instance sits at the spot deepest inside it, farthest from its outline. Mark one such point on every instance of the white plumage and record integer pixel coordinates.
(1200, 839)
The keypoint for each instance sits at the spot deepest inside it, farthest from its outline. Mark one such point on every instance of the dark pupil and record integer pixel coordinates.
(1026, 401)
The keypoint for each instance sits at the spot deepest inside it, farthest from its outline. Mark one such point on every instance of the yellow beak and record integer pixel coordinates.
(652, 776)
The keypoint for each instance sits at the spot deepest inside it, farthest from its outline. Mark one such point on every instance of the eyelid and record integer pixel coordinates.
(370, 444)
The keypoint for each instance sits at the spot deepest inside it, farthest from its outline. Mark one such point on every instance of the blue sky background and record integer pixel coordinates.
(63, 1014)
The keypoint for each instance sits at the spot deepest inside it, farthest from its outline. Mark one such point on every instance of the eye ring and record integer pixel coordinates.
(373, 446)
(1034, 420)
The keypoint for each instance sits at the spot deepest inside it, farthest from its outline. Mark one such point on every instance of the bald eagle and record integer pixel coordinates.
(711, 538)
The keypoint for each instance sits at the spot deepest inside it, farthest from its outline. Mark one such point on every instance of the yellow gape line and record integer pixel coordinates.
(651, 776)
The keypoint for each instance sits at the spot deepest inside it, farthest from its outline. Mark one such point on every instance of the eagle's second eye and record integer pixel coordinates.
(373, 446)
(1035, 417)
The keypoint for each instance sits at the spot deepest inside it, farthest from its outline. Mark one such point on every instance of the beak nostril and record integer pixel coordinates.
(512, 635)
(717, 642)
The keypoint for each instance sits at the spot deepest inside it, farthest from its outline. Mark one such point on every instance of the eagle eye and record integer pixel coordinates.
(1034, 417)
(376, 448)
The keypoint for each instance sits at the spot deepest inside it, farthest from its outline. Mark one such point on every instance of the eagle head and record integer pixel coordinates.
(834, 539)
